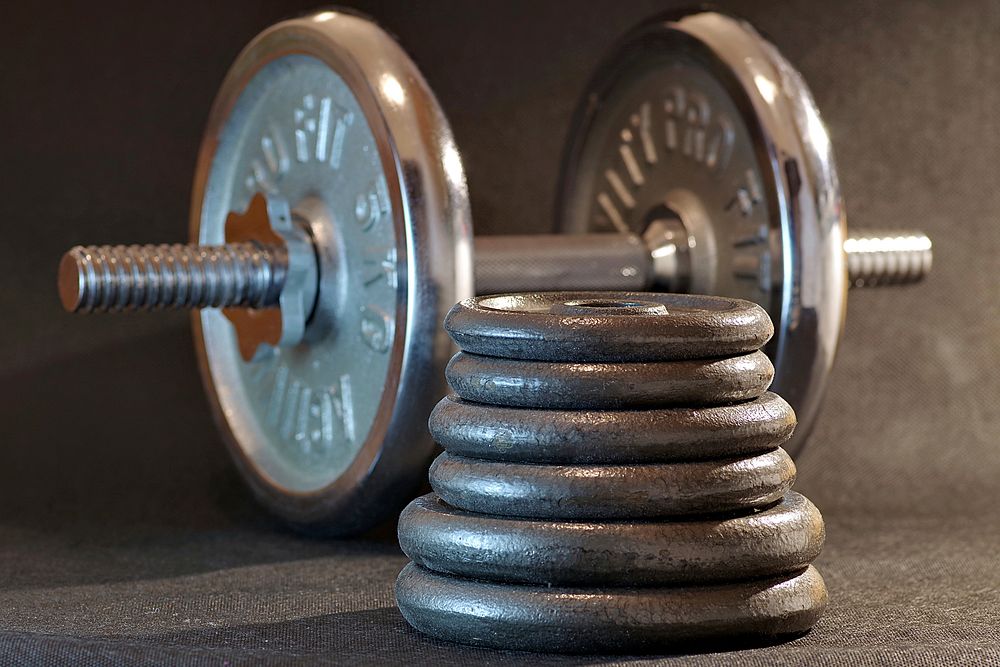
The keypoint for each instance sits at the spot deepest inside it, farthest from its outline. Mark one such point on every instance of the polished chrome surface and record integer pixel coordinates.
(554, 262)
(329, 113)
(660, 259)
(113, 278)
(724, 133)
(887, 257)
(269, 220)
(356, 225)
(669, 245)
(813, 219)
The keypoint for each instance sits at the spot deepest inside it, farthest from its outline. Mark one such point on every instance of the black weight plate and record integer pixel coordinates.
(640, 491)
(782, 538)
(559, 385)
(607, 620)
(615, 436)
(523, 326)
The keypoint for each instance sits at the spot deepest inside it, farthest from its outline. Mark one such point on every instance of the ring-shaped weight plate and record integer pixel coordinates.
(560, 386)
(608, 620)
(781, 538)
(698, 115)
(638, 491)
(328, 112)
(525, 435)
(540, 327)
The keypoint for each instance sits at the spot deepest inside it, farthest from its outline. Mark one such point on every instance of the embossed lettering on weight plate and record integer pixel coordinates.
(682, 123)
(313, 418)
(320, 128)
(266, 171)
(683, 132)
(319, 132)
(378, 266)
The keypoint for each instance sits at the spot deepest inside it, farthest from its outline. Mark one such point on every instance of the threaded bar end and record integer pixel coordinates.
(147, 277)
(880, 257)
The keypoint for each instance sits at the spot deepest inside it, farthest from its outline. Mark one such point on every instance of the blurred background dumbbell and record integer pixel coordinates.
(330, 232)
(612, 480)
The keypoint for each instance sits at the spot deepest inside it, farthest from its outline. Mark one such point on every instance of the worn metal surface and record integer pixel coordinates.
(585, 385)
(602, 620)
(607, 436)
(637, 491)
(522, 326)
(784, 537)
(566, 498)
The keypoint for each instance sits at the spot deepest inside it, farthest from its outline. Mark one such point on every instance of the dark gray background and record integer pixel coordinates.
(125, 534)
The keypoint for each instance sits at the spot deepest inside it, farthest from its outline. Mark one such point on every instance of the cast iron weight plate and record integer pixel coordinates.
(597, 620)
(575, 326)
(585, 385)
(781, 538)
(660, 435)
(624, 491)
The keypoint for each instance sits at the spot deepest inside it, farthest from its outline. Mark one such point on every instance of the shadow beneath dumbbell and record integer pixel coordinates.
(111, 469)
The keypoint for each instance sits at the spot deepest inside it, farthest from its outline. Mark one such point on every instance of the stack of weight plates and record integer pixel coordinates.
(612, 480)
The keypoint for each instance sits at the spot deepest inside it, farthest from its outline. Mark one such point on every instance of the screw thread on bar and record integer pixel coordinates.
(115, 278)
(882, 257)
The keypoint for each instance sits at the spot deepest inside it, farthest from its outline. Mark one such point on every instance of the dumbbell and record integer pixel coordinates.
(330, 232)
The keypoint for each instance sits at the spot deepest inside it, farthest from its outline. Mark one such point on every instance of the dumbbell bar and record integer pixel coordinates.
(114, 278)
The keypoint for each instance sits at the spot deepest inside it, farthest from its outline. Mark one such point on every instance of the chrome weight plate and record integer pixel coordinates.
(697, 125)
(327, 113)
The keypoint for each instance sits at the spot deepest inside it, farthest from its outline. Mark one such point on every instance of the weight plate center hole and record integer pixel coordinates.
(608, 307)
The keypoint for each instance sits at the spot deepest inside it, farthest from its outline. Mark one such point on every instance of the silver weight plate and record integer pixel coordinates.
(328, 113)
(697, 117)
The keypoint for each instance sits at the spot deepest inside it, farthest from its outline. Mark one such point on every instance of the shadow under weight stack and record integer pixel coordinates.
(612, 480)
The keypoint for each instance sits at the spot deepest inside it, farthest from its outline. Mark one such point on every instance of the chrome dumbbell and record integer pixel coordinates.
(330, 232)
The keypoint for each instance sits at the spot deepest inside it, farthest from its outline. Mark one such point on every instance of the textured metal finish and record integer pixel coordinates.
(605, 436)
(571, 497)
(328, 112)
(782, 538)
(886, 257)
(107, 278)
(588, 386)
(523, 326)
(597, 492)
(603, 620)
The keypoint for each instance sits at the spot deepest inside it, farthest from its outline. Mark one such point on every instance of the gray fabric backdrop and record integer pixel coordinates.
(125, 535)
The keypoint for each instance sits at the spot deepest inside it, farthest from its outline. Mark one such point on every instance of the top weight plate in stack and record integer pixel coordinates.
(607, 326)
